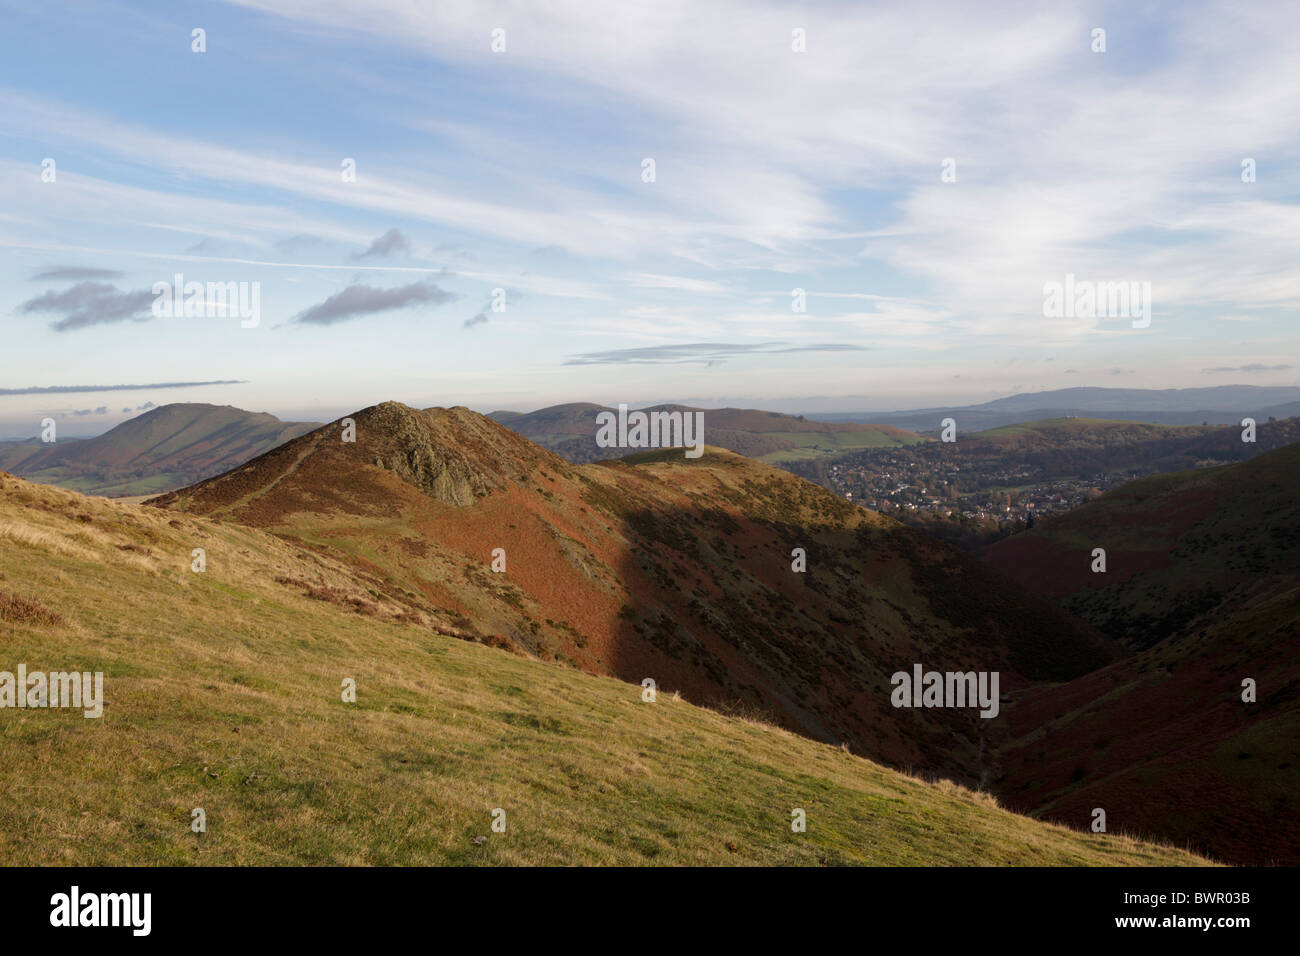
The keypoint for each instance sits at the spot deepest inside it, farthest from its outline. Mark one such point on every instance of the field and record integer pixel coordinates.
(810, 445)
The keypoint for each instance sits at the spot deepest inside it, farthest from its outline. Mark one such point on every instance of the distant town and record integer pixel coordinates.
(1013, 495)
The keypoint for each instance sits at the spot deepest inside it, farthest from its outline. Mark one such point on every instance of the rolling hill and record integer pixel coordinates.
(657, 566)
(165, 448)
(1202, 581)
(570, 431)
(1218, 405)
(222, 693)
(1075, 446)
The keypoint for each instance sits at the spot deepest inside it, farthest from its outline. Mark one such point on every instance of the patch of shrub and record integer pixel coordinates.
(21, 610)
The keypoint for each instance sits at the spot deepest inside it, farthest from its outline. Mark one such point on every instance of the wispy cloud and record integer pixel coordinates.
(358, 300)
(1254, 367)
(74, 389)
(298, 243)
(72, 273)
(705, 352)
(649, 280)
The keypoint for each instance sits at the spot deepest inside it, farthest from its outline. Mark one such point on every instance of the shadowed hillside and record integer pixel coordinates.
(1203, 577)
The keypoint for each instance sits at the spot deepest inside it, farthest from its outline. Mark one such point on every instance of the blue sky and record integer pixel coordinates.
(522, 170)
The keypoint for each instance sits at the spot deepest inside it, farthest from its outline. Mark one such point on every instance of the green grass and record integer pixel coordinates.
(811, 445)
(223, 692)
(88, 485)
(1081, 425)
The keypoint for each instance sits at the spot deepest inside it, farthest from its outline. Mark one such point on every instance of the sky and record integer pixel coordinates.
(452, 203)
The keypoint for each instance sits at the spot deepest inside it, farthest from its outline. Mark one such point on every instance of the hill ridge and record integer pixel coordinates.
(658, 564)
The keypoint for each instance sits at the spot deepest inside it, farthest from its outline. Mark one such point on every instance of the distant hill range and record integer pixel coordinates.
(1219, 405)
(1202, 583)
(570, 431)
(165, 448)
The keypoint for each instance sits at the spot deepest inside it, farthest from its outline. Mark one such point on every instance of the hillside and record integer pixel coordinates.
(570, 431)
(165, 448)
(1203, 579)
(1075, 446)
(1178, 547)
(660, 566)
(222, 692)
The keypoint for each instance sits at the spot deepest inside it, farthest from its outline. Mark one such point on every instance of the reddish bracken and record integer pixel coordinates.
(21, 610)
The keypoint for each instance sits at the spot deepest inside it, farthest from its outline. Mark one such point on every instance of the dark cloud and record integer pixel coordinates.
(394, 240)
(71, 273)
(479, 319)
(1253, 367)
(710, 353)
(102, 410)
(74, 389)
(91, 303)
(359, 300)
(1119, 371)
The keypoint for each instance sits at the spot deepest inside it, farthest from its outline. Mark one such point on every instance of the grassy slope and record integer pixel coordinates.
(223, 693)
(810, 444)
